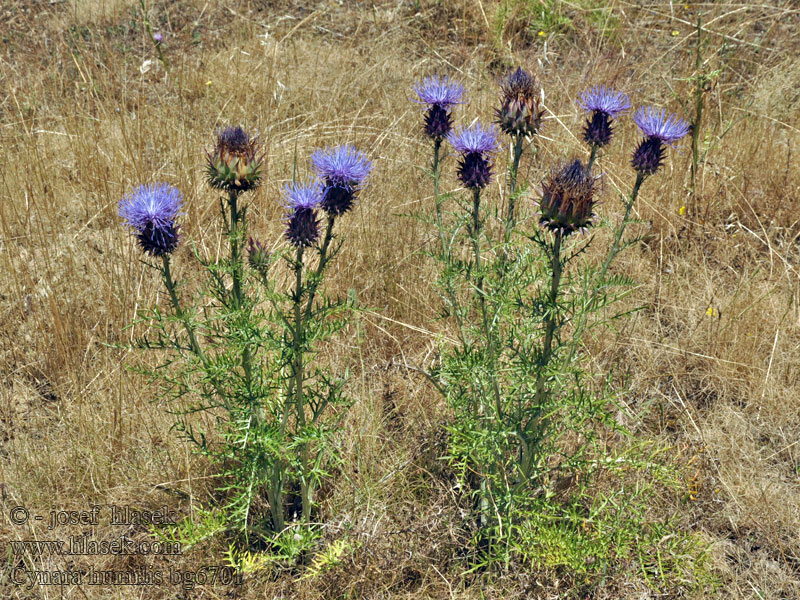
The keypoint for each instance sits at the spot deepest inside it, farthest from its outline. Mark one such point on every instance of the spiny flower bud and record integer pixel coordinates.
(660, 129)
(604, 104)
(158, 241)
(475, 144)
(150, 212)
(438, 122)
(520, 112)
(257, 256)
(234, 164)
(344, 171)
(302, 224)
(567, 203)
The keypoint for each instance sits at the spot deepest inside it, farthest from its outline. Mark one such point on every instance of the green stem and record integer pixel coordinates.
(236, 258)
(197, 350)
(551, 320)
(488, 335)
(301, 316)
(445, 250)
(236, 230)
(298, 373)
(236, 233)
(592, 157)
(179, 312)
(323, 262)
(437, 146)
(519, 142)
(551, 323)
(615, 247)
(600, 280)
(156, 43)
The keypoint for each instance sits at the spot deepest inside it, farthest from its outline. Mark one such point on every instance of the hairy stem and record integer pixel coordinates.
(519, 142)
(552, 321)
(488, 335)
(298, 378)
(179, 312)
(445, 249)
(236, 230)
(592, 157)
(601, 276)
(323, 262)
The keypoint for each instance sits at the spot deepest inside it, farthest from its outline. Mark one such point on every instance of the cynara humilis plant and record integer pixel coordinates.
(244, 349)
(524, 419)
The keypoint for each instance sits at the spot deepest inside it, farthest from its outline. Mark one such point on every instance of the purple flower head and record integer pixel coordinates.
(604, 104)
(442, 92)
(302, 200)
(520, 82)
(440, 95)
(476, 138)
(475, 144)
(605, 100)
(234, 139)
(344, 171)
(658, 124)
(150, 212)
(158, 37)
(659, 129)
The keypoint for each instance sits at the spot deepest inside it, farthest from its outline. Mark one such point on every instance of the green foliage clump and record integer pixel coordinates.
(541, 18)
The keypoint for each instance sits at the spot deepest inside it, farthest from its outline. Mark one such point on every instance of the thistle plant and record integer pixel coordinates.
(605, 105)
(526, 413)
(243, 350)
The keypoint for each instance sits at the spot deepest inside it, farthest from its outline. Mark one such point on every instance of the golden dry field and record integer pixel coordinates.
(708, 370)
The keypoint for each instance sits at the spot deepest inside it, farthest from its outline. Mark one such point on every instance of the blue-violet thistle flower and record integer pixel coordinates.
(519, 113)
(234, 164)
(344, 171)
(302, 200)
(158, 38)
(659, 128)
(440, 94)
(567, 203)
(475, 144)
(150, 212)
(604, 104)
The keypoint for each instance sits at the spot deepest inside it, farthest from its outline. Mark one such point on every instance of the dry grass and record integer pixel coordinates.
(711, 362)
